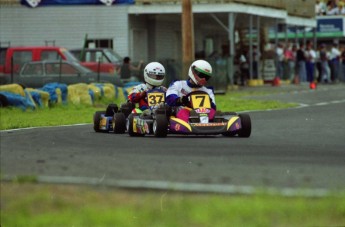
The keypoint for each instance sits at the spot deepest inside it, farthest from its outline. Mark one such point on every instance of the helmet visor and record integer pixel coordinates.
(201, 73)
(156, 76)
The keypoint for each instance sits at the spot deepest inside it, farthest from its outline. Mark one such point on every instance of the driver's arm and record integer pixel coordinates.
(172, 97)
(138, 93)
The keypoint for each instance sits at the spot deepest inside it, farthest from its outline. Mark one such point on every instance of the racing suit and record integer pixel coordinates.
(176, 96)
(138, 95)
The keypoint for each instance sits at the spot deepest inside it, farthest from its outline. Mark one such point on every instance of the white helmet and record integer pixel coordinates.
(154, 74)
(200, 72)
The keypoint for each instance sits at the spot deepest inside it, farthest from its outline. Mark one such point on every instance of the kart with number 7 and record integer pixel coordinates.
(228, 124)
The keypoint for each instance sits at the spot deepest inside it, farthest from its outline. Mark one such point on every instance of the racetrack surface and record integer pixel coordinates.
(298, 148)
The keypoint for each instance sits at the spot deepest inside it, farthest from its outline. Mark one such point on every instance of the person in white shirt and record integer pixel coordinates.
(280, 60)
(310, 63)
(335, 59)
(199, 73)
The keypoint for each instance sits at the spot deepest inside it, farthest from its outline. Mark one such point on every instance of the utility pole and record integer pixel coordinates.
(187, 36)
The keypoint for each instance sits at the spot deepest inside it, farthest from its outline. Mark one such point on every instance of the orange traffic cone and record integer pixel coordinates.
(312, 85)
(276, 81)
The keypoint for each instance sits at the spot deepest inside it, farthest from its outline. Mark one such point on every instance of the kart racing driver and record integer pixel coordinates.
(154, 74)
(199, 73)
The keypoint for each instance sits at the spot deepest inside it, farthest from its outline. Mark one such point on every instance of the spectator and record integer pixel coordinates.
(325, 70)
(256, 60)
(332, 8)
(343, 63)
(335, 58)
(244, 67)
(340, 10)
(301, 63)
(126, 69)
(320, 8)
(310, 61)
(280, 60)
(289, 57)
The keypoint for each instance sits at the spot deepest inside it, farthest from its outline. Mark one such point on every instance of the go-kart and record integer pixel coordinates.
(113, 119)
(140, 123)
(227, 123)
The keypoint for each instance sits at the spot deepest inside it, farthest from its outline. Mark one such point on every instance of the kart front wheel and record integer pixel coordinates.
(246, 128)
(130, 126)
(96, 119)
(160, 125)
(119, 123)
(111, 109)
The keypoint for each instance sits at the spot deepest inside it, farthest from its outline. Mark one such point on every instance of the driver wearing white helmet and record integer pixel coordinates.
(154, 74)
(199, 73)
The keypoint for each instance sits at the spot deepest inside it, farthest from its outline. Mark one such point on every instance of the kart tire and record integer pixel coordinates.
(130, 126)
(246, 128)
(119, 123)
(96, 120)
(160, 126)
(126, 108)
(111, 110)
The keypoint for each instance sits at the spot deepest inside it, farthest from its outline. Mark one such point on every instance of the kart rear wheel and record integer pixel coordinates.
(130, 126)
(96, 119)
(246, 129)
(111, 110)
(160, 126)
(119, 123)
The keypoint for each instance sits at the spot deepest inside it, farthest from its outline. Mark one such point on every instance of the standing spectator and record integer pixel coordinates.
(126, 69)
(290, 62)
(280, 60)
(256, 60)
(310, 61)
(325, 70)
(301, 63)
(332, 8)
(335, 57)
(343, 62)
(244, 67)
(320, 8)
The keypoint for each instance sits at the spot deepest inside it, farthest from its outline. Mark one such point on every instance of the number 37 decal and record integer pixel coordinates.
(155, 98)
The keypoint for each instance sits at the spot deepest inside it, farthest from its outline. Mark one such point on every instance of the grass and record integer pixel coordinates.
(65, 205)
(75, 114)
(25, 202)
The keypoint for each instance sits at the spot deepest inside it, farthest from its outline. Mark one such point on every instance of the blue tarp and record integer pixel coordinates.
(18, 100)
(32, 3)
(51, 89)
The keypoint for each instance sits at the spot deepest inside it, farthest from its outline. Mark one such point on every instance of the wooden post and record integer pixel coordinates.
(187, 37)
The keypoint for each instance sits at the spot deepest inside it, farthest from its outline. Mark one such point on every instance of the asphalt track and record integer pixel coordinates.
(291, 150)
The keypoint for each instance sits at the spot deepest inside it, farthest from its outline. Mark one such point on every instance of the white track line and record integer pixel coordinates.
(179, 186)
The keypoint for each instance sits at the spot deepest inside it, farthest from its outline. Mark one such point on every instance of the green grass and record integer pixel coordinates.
(24, 202)
(53, 205)
(13, 118)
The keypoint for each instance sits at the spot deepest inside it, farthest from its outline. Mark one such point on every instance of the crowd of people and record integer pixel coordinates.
(301, 63)
(330, 7)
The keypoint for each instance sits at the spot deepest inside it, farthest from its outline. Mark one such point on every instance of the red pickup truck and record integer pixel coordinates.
(12, 58)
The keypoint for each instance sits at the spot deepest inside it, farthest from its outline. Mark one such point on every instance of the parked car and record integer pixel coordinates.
(95, 54)
(13, 58)
(102, 55)
(38, 73)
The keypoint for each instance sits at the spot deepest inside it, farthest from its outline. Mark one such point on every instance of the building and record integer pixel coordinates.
(151, 29)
